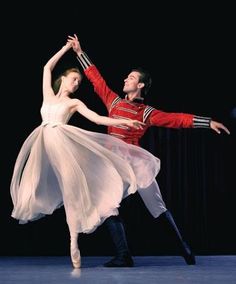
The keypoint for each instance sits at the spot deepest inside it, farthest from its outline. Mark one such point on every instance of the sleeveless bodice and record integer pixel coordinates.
(55, 113)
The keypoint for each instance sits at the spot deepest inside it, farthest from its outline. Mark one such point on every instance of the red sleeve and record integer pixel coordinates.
(170, 119)
(100, 86)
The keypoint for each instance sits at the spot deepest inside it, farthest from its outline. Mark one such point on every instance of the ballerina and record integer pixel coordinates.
(87, 172)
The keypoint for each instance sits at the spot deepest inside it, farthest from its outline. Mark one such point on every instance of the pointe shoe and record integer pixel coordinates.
(75, 257)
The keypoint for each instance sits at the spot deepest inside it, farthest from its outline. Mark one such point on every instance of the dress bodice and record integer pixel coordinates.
(55, 113)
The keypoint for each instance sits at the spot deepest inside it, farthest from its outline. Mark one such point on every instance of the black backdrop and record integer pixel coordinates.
(188, 51)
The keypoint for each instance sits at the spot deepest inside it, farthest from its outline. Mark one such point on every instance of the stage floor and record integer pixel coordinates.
(147, 270)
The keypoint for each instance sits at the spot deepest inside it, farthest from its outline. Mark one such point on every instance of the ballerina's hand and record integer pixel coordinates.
(75, 43)
(135, 124)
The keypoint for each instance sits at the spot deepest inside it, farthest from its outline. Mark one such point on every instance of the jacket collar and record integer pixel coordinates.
(135, 100)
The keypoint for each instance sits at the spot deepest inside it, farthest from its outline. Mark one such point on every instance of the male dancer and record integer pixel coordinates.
(136, 87)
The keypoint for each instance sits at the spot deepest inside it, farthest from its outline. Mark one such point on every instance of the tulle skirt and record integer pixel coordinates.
(87, 172)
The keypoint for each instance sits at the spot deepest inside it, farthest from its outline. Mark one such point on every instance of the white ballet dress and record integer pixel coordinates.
(87, 172)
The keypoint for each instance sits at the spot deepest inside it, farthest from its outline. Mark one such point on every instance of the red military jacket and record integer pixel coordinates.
(124, 108)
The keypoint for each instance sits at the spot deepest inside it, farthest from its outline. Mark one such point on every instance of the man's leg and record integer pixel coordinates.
(152, 199)
(116, 229)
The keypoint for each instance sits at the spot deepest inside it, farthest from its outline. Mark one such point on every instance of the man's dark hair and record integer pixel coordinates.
(144, 78)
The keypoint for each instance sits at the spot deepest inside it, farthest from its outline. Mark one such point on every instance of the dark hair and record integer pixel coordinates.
(57, 82)
(144, 78)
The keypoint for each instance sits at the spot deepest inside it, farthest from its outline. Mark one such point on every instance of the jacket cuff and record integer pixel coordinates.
(84, 60)
(201, 122)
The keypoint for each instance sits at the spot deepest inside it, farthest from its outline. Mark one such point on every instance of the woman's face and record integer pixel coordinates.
(72, 81)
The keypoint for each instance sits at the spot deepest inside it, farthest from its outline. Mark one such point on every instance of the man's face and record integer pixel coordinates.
(131, 82)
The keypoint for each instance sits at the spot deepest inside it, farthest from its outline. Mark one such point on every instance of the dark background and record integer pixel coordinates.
(189, 53)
